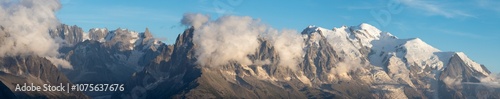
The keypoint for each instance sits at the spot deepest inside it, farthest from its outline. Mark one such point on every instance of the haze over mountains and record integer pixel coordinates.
(230, 57)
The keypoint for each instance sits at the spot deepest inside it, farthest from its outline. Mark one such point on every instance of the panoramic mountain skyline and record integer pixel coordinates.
(221, 52)
(465, 26)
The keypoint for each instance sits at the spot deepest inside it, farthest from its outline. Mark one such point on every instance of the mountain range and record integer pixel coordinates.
(346, 62)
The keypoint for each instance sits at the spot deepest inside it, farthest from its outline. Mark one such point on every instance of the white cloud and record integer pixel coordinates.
(493, 80)
(26, 24)
(194, 19)
(233, 38)
(60, 63)
(463, 34)
(229, 38)
(261, 62)
(345, 67)
(289, 44)
(489, 4)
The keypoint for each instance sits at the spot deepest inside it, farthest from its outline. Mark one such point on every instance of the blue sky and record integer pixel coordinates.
(470, 26)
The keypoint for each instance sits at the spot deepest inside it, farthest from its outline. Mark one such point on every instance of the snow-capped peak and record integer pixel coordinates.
(365, 33)
(310, 29)
(366, 29)
(97, 29)
(417, 43)
(85, 36)
(383, 45)
(367, 26)
(471, 63)
(359, 36)
(422, 54)
(98, 34)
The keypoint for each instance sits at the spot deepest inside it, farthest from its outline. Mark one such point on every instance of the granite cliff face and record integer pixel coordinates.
(70, 34)
(105, 56)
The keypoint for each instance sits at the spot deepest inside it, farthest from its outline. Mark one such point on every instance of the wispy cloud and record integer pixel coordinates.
(489, 4)
(462, 34)
(435, 8)
(363, 7)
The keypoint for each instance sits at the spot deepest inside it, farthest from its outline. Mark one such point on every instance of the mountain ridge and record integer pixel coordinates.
(321, 68)
(372, 63)
(105, 56)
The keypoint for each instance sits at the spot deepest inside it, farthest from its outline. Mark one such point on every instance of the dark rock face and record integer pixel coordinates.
(70, 34)
(458, 80)
(104, 56)
(32, 69)
(94, 63)
(458, 69)
(147, 34)
(5, 92)
(98, 34)
(173, 67)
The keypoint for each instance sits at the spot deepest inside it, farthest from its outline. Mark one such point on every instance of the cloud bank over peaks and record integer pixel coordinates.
(229, 38)
(290, 47)
(232, 38)
(26, 24)
(194, 19)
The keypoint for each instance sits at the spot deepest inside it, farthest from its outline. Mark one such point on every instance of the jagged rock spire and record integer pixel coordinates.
(147, 34)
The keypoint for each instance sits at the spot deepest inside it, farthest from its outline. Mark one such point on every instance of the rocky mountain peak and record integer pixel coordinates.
(70, 34)
(147, 34)
(98, 34)
(310, 29)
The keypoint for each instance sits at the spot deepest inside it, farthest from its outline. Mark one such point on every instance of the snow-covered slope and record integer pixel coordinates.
(384, 45)
(130, 40)
(411, 61)
(471, 63)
